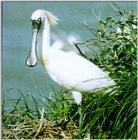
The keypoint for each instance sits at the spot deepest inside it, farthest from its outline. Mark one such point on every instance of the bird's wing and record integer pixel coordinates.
(72, 70)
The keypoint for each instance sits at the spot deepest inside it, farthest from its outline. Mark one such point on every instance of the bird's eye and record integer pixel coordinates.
(39, 19)
(36, 23)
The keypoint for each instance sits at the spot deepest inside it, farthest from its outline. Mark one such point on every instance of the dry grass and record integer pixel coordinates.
(37, 129)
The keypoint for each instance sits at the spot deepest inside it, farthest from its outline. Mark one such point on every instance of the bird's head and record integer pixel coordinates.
(41, 19)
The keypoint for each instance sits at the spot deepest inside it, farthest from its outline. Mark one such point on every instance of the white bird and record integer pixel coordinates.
(58, 44)
(71, 39)
(67, 69)
(64, 42)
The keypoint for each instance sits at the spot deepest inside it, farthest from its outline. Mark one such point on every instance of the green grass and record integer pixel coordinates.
(109, 113)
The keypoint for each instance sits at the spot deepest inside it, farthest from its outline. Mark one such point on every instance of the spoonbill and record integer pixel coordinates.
(62, 42)
(67, 69)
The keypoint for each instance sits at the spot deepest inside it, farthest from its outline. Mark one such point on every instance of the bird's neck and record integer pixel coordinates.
(44, 43)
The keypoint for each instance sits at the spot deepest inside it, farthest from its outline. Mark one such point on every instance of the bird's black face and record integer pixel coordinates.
(36, 24)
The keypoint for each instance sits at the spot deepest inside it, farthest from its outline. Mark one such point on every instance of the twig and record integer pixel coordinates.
(82, 54)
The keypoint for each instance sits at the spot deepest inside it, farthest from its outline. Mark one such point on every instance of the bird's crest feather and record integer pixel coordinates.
(52, 19)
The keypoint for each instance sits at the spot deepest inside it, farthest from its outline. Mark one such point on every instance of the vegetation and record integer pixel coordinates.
(109, 113)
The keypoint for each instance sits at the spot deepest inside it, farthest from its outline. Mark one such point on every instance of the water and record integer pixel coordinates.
(17, 33)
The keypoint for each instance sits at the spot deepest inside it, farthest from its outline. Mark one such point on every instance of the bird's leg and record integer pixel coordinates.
(80, 117)
(78, 98)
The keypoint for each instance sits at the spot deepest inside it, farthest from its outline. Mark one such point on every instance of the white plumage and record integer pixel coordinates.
(74, 72)
(67, 69)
